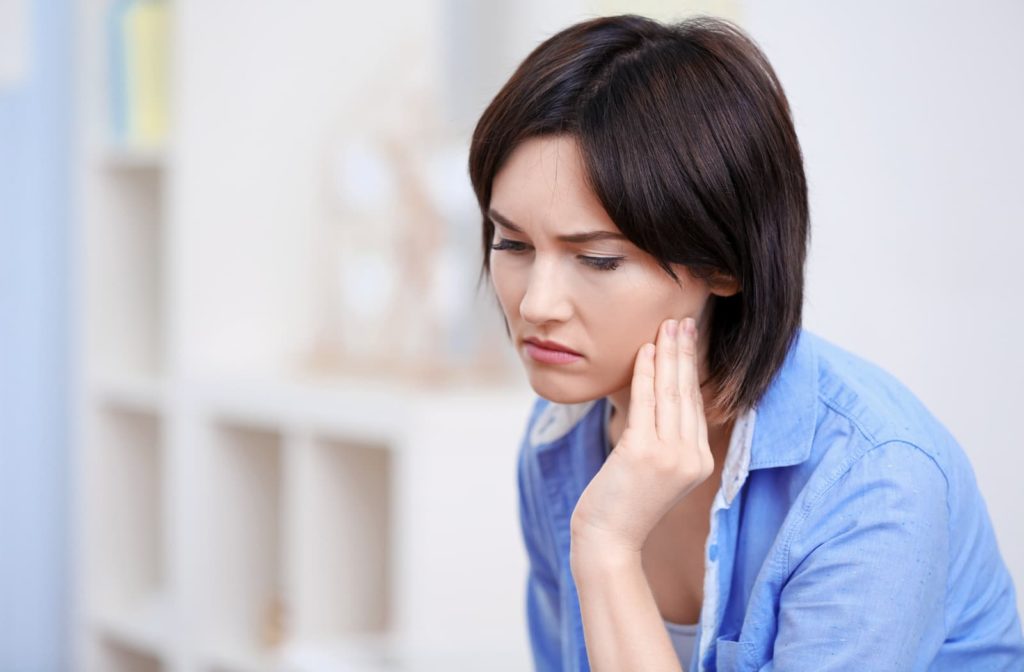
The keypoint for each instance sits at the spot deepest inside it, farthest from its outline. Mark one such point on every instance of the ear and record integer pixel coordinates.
(722, 284)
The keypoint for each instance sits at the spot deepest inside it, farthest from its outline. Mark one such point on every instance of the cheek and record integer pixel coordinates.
(506, 287)
(630, 315)
(621, 338)
(618, 330)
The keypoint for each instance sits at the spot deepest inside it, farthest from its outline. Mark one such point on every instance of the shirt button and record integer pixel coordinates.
(713, 552)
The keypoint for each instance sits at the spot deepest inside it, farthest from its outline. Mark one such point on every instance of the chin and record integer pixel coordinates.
(565, 392)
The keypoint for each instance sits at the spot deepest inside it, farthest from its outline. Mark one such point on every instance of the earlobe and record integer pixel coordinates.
(721, 284)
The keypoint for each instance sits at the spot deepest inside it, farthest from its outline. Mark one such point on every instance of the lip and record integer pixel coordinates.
(551, 345)
(550, 352)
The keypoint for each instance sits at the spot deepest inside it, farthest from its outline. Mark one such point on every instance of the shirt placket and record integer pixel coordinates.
(721, 539)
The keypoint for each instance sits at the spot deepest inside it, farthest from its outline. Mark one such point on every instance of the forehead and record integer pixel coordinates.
(543, 184)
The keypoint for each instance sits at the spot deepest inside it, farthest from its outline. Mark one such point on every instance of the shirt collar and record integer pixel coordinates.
(784, 431)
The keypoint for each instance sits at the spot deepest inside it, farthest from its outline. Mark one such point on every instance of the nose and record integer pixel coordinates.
(546, 298)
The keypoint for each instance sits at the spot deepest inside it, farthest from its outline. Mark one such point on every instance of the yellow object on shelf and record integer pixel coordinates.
(146, 48)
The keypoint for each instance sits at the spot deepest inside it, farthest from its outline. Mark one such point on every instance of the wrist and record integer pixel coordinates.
(591, 556)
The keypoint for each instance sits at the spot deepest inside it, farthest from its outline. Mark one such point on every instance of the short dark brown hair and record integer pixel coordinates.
(687, 139)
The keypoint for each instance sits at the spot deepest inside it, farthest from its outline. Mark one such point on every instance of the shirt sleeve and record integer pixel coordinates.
(868, 569)
(543, 597)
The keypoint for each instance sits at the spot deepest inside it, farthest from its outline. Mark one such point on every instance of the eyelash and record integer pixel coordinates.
(597, 263)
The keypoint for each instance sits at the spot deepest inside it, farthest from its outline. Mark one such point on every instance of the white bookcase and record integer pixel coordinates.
(231, 515)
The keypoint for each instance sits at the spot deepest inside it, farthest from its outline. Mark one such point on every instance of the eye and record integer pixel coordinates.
(597, 263)
(510, 245)
(602, 263)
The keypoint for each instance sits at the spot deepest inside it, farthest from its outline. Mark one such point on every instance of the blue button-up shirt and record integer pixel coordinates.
(848, 532)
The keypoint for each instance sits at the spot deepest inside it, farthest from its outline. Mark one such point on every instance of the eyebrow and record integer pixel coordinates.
(585, 237)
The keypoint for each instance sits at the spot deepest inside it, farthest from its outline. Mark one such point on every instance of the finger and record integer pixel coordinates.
(702, 424)
(640, 417)
(666, 382)
(689, 383)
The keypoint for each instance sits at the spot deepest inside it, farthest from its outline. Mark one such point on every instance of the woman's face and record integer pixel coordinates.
(603, 297)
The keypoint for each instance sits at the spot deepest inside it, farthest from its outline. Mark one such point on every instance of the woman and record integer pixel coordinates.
(705, 485)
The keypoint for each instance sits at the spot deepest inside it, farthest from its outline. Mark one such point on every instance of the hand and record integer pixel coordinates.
(663, 452)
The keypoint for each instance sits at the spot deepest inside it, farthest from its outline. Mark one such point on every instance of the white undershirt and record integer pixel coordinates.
(683, 635)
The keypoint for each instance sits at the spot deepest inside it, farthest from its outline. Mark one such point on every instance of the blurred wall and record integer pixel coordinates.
(34, 370)
(909, 115)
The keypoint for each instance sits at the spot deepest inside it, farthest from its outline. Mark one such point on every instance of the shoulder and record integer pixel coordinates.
(879, 459)
(882, 472)
(865, 408)
(877, 453)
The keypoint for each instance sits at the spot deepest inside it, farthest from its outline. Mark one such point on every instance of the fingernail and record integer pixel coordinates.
(691, 327)
(672, 328)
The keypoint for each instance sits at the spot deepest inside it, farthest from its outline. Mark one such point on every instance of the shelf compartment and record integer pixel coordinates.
(126, 514)
(124, 271)
(342, 563)
(242, 535)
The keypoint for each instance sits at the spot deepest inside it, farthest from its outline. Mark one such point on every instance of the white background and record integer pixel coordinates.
(909, 115)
